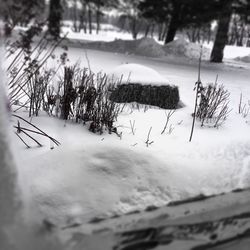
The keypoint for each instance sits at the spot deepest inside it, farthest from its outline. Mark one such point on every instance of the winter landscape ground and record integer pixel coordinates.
(141, 184)
(104, 175)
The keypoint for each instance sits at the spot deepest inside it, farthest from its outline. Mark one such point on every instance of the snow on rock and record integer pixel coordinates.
(137, 73)
(181, 47)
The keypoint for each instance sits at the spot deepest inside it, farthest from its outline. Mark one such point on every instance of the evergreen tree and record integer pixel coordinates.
(131, 15)
(225, 10)
(99, 6)
(20, 12)
(178, 13)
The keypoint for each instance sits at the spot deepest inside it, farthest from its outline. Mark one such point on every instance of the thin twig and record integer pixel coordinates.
(198, 84)
(39, 133)
(132, 126)
(22, 140)
(32, 138)
(19, 117)
(169, 114)
(148, 142)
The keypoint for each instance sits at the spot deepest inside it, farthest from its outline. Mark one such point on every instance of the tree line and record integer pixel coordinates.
(166, 17)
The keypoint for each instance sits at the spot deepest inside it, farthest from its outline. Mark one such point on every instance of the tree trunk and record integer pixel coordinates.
(248, 39)
(198, 37)
(173, 27)
(233, 32)
(160, 28)
(134, 28)
(222, 34)
(98, 14)
(164, 34)
(83, 18)
(193, 36)
(241, 36)
(147, 30)
(75, 17)
(209, 34)
(90, 19)
(152, 30)
(54, 20)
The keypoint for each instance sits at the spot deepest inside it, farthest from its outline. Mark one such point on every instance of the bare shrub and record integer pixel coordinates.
(37, 86)
(243, 107)
(27, 60)
(84, 97)
(168, 115)
(213, 105)
(30, 131)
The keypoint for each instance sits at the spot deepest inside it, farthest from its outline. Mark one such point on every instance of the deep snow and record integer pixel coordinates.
(92, 175)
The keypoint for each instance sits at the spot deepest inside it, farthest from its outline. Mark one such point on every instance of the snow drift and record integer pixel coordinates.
(144, 47)
(183, 48)
(245, 59)
(150, 48)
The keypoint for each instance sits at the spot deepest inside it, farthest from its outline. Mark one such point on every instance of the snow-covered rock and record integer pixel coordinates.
(137, 73)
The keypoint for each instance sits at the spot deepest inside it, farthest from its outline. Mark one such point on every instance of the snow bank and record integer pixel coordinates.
(181, 47)
(144, 47)
(232, 51)
(102, 181)
(150, 48)
(74, 185)
(137, 73)
(245, 59)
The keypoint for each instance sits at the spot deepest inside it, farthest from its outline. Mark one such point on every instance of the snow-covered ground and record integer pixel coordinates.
(110, 33)
(100, 175)
(107, 33)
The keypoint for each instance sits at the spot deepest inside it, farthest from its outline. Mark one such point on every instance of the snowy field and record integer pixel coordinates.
(92, 175)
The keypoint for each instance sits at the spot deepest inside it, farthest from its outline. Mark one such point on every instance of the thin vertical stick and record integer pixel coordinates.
(216, 79)
(147, 141)
(240, 109)
(196, 97)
